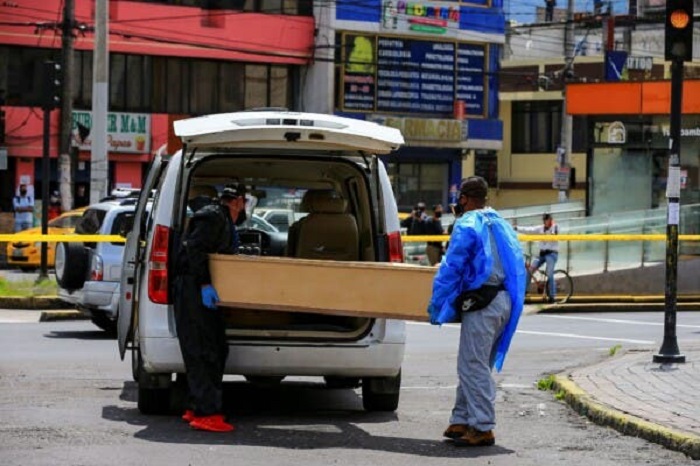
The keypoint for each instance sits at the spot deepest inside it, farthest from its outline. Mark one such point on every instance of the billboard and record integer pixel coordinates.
(411, 75)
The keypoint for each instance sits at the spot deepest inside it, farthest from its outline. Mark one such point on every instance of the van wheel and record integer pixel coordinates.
(71, 265)
(381, 393)
(136, 363)
(341, 382)
(154, 400)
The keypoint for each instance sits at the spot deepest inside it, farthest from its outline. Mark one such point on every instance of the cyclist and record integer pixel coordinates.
(549, 251)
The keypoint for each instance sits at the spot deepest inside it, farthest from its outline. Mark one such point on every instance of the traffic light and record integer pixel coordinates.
(53, 78)
(679, 30)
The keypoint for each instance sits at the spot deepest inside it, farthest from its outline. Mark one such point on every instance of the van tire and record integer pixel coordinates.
(381, 393)
(71, 266)
(154, 400)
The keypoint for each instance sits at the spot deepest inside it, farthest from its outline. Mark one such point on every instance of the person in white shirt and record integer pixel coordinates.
(24, 209)
(549, 250)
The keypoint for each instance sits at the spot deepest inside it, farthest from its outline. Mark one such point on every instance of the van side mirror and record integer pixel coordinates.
(127, 224)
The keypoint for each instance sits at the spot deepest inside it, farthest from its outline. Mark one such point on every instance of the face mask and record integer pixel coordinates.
(242, 217)
(438, 214)
(23, 192)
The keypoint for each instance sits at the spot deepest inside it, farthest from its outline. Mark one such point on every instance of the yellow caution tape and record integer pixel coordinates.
(589, 237)
(17, 237)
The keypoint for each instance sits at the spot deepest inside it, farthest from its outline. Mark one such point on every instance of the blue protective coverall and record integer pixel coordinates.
(472, 260)
(469, 263)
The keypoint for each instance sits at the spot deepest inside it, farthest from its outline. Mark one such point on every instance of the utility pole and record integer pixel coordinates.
(99, 167)
(564, 149)
(65, 169)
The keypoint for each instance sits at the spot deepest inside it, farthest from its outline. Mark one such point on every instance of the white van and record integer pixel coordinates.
(331, 166)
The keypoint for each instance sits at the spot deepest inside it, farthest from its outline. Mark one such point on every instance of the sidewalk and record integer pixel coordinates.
(634, 395)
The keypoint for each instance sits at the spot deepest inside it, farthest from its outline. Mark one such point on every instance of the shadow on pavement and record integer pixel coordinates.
(297, 416)
(81, 334)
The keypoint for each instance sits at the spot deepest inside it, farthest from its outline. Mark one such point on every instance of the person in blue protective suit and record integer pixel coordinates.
(480, 283)
(201, 330)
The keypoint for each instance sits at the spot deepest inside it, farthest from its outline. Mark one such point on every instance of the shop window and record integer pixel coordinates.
(24, 74)
(536, 128)
(256, 81)
(177, 86)
(159, 97)
(486, 166)
(231, 86)
(117, 81)
(279, 86)
(203, 94)
(82, 92)
(138, 82)
(418, 182)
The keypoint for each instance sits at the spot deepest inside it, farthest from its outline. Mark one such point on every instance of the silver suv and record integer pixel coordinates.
(331, 165)
(87, 273)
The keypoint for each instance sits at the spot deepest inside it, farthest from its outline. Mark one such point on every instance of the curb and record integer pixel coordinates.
(626, 424)
(616, 307)
(33, 302)
(51, 316)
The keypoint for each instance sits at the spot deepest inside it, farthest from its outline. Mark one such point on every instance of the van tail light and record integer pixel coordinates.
(395, 247)
(96, 269)
(158, 266)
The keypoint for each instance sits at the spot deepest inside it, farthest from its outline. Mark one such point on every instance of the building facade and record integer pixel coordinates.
(532, 99)
(169, 59)
(429, 68)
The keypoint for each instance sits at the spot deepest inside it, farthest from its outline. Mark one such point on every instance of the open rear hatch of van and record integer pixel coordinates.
(321, 171)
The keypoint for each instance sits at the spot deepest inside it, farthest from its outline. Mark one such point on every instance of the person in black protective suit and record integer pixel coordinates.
(201, 329)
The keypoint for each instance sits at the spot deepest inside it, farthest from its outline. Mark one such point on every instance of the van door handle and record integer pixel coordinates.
(130, 281)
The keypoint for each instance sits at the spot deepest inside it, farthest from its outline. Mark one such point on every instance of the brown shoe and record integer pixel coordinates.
(455, 431)
(476, 438)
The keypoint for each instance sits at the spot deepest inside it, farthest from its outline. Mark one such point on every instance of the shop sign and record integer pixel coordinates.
(413, 76)
(561, 177)
(617, 133)
(425, 129)
(640, 63)
(419, 16)
(126, 132)
(685, 132)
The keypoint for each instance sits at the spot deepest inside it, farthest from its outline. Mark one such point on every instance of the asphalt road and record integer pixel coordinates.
(67, 399)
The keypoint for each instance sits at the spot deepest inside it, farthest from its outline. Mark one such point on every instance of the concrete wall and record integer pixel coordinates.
(648, 280)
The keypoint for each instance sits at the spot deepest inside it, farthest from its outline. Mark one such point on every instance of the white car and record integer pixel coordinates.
(88, 274)
(273, 152)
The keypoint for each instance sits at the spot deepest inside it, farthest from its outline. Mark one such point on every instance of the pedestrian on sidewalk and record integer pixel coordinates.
(433, 226)
(23, 205)
(201, 329)
(480, 283)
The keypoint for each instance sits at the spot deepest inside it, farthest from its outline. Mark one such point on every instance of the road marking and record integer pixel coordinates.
(616, 321)
(432, 387)
(585, 337)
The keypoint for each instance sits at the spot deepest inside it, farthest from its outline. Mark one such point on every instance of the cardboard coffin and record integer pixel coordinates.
(358, 289)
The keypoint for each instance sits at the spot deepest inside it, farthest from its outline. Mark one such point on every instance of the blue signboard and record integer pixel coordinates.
(415, 76)
(470, 77)
(412, 76)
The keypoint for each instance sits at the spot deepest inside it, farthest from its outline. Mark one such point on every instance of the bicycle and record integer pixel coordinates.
(538, 284)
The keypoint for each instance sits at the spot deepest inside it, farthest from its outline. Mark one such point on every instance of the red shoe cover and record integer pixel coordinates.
(213, 423)
(188, 416)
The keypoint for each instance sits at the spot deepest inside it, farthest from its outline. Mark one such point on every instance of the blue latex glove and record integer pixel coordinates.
(433, 312)
(209, 297)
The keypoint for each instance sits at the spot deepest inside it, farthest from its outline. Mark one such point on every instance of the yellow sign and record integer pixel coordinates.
(426, 129)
